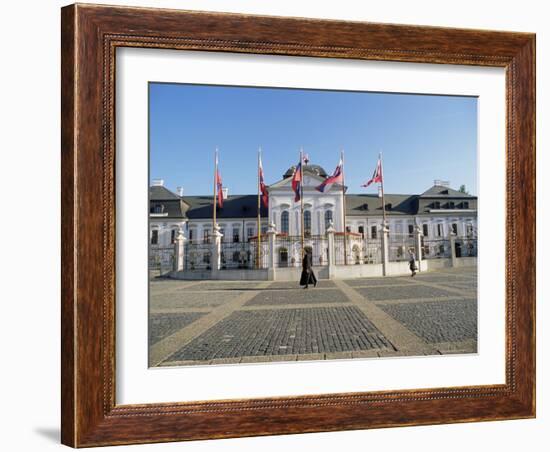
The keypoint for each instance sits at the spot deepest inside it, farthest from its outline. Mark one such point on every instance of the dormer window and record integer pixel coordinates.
(437, 205)
(157, 208)
(451, 205)
(465, 205)
(365, 206)
(388, 206)
(445, 192)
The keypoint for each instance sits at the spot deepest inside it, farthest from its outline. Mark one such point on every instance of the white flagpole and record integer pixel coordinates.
(344, 208)
(258, 242)
(215, 190)
(302, 198)
(382, 186)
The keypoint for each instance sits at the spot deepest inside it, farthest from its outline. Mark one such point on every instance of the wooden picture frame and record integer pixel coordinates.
(90, 36)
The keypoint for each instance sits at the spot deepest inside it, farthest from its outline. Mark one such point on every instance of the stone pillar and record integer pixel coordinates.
(330, 240)
(418, 246)
(452, 241)
(385, 237)
(215, 259)
(179, 252)
(272, 236)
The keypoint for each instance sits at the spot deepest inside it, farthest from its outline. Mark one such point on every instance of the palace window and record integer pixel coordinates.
(411, 230)
(439, 229)
(328, 218)
(191, 235)
(236, 237)
(469, 230)
(173, 236)
(307, 223)
(284, 222)
(373, 232)
(222, 232)
(206, 235)
(157, 208)
(454, 227)
(249, 232)
(425, 230)
(362, 231)
(154, 237)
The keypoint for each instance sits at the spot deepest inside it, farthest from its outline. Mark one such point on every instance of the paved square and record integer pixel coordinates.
(402, 292)
(301, 296)
(213, 322)
(438, 321)
(284, 332)
(163, 325)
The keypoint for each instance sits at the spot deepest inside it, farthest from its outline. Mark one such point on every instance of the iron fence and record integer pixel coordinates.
(289, 250)
(372, 251)
(435, 248)
(466, 247)
(161, 259)
(198, 255)
(399, 245)
(239, 255)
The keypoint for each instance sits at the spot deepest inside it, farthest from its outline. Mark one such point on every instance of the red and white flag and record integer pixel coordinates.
(377, 175)
(336, 178)
(297, 181)
(263, 187)
(219, 185)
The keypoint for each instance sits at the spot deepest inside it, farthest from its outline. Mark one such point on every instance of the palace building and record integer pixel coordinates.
(438, 211)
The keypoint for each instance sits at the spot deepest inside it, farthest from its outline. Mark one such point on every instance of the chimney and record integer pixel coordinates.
(225, 192)
(158, 182)
(442, 183)
(179, 191)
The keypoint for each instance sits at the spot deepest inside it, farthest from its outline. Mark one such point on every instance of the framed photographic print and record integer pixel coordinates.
(282, 225)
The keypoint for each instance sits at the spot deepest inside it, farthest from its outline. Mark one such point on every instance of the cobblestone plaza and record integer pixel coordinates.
(222, 322)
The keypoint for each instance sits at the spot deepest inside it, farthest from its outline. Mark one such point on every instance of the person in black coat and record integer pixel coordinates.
(308, 277)
(412, 262)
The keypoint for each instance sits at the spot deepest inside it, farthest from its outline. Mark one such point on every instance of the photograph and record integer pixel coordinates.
(292, 224)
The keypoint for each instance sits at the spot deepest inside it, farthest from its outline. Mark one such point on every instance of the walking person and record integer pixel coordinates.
(412, 262)
(308, 277)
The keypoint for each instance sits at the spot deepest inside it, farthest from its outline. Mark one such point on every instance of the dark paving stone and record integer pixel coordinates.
(270, 297)
(295, 285)
(225, 285)
(403, 292)
(284, 332)
(163, 325)
(369, 282)
(437, 321)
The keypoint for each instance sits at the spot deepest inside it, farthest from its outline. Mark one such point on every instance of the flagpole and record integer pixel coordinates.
(382, 186)
(344, 208)
(302, 198)
(258, 243)
(215, 190)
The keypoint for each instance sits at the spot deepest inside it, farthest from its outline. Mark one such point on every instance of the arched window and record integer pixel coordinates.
(284, 222)
(328, 218)
(307, 222)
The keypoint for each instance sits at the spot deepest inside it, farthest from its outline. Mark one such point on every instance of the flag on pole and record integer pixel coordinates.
(219, 186)
(297, 182)
(377, 175)
(263, 187)
(336, 178)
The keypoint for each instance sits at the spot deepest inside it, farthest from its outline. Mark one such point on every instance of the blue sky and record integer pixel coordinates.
(421, 137)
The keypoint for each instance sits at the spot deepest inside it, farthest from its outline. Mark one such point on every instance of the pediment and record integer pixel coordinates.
(310, 182)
